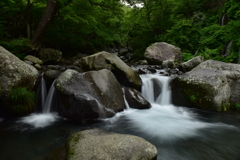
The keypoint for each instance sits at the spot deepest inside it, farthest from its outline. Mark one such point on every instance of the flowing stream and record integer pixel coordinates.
(179, 133)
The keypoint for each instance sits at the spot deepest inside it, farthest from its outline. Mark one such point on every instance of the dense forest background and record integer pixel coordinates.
(210, 28)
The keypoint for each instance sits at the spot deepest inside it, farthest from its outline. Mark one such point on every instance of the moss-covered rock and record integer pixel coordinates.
(98, 144)
(104, 60)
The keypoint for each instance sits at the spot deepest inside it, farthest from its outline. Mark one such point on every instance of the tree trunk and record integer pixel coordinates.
(44, 23)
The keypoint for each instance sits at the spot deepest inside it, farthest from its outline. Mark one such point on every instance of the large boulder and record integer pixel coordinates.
(14, 73)
(49, 55)
(135, 99)
(98, 144)
(212, 84)
(89, 95)
(104, 60)
(192, 63)
(205, 89)
(232, 73)
(161, 51)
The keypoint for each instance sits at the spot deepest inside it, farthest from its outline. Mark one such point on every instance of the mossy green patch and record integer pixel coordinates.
(237, 106)
(22, 101)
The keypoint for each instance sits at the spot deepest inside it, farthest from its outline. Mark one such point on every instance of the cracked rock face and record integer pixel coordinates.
(89, 95)
(98, 144)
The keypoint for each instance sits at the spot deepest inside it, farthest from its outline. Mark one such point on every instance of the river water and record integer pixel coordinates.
(179, 133)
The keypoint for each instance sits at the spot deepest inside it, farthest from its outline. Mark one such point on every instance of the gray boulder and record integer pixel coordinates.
(98, 144)
(212, 84)
(50, 55)
(14, 73)
(189, 65)
(161, 51)
(89, 95)
(232, 73)
(135, 99)
(104, 60)
(206, 89)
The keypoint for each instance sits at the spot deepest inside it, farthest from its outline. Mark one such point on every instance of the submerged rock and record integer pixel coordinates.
(96, 144)
(135, 99)
(104, 60)
(89, 95)
(161, 51)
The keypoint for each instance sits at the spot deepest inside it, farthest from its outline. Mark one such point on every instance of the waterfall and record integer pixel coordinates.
(45, 102)
(228, 48)
(148, 89)
(41, 94)
(222, 21)
(125, 101)
(50, 99)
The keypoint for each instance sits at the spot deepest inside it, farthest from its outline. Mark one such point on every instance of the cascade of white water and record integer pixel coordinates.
(125, 101)
(148, 89)
(41, 93)
(228, 49)
(165, 97)
(49, 100)
(222, 22)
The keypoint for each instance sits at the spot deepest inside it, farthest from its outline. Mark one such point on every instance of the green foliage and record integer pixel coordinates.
(89, 26)
(193, 98)
(224, 107)
(18, 47)
(22, 100)
(215, 54)
(237, 106)
(187, 56)
(184, 34)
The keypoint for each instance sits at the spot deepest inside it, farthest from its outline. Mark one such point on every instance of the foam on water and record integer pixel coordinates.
(164, 121)
(39, 120)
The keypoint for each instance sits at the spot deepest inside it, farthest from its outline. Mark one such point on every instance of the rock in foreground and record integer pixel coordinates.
(98, 144)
